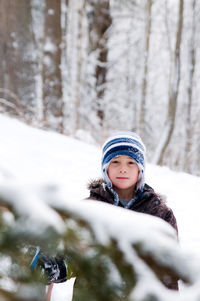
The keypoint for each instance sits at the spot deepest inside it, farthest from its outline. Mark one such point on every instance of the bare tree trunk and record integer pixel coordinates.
(192, 64)
(52, 78)
(99, 22)
(17, 65)
(64, 63)
(79, 80)
(173, 95)
(145, 74)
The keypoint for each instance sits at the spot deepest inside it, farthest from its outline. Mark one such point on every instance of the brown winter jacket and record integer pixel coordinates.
(149, 203)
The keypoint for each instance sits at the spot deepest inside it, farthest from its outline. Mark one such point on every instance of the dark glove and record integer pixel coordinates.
(54, 268)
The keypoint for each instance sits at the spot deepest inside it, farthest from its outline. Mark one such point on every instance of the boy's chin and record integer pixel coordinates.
(125, 187)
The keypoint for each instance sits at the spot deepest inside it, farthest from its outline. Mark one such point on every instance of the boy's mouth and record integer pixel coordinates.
(122, 178)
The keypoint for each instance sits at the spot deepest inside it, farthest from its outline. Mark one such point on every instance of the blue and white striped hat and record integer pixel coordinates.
(124, 143)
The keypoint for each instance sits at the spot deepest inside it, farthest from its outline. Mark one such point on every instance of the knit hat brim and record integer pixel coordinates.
(128, 144)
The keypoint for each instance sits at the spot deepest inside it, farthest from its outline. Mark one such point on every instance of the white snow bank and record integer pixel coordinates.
(39, 169)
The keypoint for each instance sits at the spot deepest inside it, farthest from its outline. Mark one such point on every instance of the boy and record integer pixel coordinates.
(123, 184)
(123, 163)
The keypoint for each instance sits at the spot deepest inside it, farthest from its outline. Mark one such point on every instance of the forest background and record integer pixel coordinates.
(86, 68)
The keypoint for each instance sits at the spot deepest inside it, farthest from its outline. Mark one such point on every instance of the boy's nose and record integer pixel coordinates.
(122, 170)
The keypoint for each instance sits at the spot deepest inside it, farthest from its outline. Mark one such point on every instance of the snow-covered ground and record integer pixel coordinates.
(182, 191)
(38, 157)
(34, 157)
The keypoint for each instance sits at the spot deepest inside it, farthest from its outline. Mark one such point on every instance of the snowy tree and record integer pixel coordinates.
(78, 85)
(191, 65)
(173, 93)
(51, 70)
(17, 66)
(88, 68)
(143, 108)
(110, 262)
(100, 21)
(123, 92)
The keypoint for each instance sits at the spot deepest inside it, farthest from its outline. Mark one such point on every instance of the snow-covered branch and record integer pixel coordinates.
(114, 252)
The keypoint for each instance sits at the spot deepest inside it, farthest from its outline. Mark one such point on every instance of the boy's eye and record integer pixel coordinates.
(114, 162)
(131, 162)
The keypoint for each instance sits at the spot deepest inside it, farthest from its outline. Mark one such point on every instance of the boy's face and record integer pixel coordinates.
(123, 172)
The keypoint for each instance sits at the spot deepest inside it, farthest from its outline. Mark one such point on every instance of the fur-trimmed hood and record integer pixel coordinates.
(95, 183)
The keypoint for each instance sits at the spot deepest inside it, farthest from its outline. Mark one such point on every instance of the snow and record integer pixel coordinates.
(182, 192)
(48, 168)
(40, 215)
(34, 156)
(49, 46)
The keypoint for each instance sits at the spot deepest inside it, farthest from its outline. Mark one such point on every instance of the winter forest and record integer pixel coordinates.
(86, 68)
(71, 73)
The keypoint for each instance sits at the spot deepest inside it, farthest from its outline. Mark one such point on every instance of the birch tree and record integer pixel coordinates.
(99, 23)
(173, 94)
(145, 74)
(81, 15)
(51, 72)
(191, 67)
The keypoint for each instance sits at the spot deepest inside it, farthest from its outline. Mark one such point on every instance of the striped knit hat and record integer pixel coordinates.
(124, 143)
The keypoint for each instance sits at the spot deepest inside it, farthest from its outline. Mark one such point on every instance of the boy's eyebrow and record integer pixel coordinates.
(116, 158)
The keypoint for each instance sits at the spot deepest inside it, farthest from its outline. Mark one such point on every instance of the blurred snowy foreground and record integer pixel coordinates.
(43, 179)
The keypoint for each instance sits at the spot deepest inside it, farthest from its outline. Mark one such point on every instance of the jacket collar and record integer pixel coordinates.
(99, 188)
